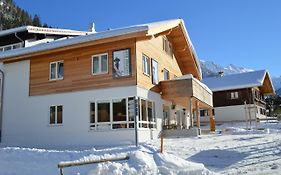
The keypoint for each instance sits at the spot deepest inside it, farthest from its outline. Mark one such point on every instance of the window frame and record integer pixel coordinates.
(164, 73)
(234, 96)
(147, 66)
(147, 123)
(157, 72)
(167, 46)
(130, 124)
(56, 115)
(12, 46)
(100, 63)
(114, 74)
(56, 70)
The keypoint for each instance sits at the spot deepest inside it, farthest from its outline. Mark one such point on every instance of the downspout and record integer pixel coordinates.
(1, 105)
(19, 38)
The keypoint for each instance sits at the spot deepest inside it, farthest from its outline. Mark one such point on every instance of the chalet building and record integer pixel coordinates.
(114, 87)
(239, 97)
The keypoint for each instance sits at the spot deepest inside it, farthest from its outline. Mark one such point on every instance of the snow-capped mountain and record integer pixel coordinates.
(209, 69)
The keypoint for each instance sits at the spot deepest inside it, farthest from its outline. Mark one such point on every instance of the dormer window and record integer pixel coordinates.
(56, 70)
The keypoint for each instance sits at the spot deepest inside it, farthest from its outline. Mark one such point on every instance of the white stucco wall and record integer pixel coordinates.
(26, 119)
(232, 113)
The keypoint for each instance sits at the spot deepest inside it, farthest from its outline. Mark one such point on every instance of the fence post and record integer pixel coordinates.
(61, 171)
(161, 142)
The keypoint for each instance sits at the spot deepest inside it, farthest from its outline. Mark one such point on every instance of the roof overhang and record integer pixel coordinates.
(184, 51)
(267, 87)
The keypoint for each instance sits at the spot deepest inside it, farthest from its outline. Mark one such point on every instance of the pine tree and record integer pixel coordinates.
(36, 21)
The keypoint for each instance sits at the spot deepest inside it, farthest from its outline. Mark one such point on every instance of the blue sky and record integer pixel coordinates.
(242, 32)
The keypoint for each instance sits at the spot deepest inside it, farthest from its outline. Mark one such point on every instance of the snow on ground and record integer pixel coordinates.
(143, 160)
(234, 150)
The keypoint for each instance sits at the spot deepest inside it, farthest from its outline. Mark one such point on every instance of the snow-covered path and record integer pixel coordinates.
(235, 151)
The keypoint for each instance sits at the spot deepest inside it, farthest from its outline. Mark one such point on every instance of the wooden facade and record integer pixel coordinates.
(78, 71)
(181, 91)
(154, 50)
(248, 95)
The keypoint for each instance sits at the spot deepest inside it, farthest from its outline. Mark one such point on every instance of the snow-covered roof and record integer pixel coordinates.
(42, 30)
(150, 29)
(237, 81)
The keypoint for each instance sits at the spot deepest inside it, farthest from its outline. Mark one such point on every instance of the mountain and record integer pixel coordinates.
(210, 69)
(12, 16)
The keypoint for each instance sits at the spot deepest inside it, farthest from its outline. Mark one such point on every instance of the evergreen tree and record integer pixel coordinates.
(36, 21)
(12, 16)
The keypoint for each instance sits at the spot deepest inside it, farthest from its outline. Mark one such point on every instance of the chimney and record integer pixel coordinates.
(92, 28)
(220, 74)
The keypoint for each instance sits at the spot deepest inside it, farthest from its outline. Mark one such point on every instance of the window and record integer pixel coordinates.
(155, 79)
(147, 114)
(92, 115)
(131, 111)
(261, 111)
(56, 115)
(56, 70)
(11, 47)
(166, 74)
(145, 65)
(234, 95)
(103, 112)
(121, 63)
(167, 46)
(203, 113)
(100, 64)
(119, 113)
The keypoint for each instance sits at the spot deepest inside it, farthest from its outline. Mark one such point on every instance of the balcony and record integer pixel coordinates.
(189, 92)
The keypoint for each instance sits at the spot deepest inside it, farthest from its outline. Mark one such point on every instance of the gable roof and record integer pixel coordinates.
(259, 79)
(174, 29)
(42, 30)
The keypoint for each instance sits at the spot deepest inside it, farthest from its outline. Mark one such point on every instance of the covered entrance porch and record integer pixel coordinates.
(184, 97)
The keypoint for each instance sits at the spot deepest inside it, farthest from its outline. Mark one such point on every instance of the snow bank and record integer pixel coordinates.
(143, 160)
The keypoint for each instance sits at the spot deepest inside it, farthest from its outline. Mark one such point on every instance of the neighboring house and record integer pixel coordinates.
(28, 36)
(95, 89)
(239, 97)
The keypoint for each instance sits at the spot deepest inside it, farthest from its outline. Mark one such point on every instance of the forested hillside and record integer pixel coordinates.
(12, 16)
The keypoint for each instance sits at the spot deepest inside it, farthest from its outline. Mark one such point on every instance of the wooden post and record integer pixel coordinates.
(191, 113)
(212, 121)
(197, 115)
(61, 171)
(161, 142)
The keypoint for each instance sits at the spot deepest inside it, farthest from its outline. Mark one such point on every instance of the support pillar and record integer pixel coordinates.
(191, 113)
(212, 120)
(197, 115)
